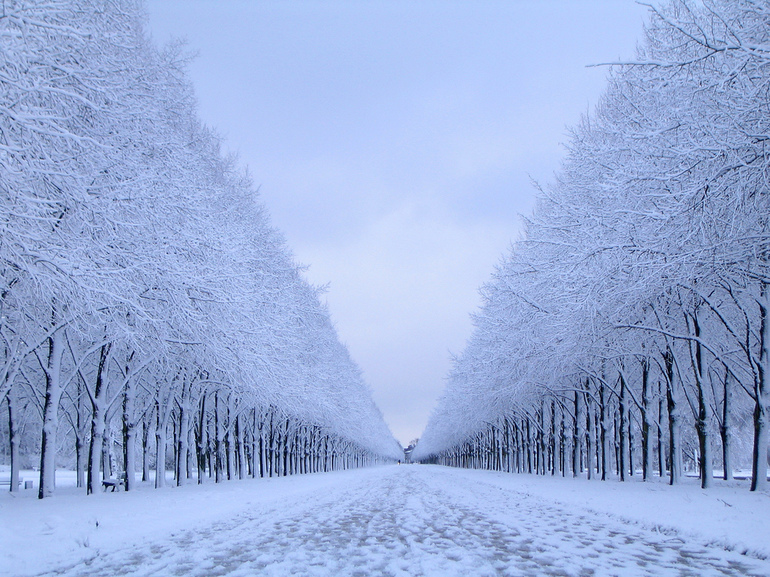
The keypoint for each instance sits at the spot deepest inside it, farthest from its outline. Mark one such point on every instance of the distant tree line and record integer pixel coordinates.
(628, 328)
(148, 310)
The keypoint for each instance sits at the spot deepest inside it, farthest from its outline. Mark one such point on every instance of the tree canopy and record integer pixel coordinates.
(143, 286)
(637, 297)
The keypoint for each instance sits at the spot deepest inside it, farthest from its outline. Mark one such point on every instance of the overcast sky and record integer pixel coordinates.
(394, 143)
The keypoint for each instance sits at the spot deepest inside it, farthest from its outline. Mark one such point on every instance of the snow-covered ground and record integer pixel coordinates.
(400, 520)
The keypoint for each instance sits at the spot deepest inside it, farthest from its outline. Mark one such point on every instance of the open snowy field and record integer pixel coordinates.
(407, 520)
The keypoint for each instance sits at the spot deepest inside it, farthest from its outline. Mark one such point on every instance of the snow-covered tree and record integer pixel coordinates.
(641, 276)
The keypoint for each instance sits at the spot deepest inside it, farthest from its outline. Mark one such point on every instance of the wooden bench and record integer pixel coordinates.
(5, 480)
(114, 484)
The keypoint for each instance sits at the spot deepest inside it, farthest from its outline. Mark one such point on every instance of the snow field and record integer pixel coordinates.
(397, 521)
(727, 515)
(36, 535)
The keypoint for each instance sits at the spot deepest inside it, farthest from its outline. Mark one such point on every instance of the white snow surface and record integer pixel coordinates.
(415, 520)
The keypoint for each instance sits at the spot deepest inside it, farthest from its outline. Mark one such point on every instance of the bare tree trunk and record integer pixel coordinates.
(95, 449)
(762, 396)
(160, 449)
(240, 440)
(229, 441)
(603, 425)
(528, 441)
(80, 461)
(674, 420)
(631, 441)
(191, 454)
(254, 444)
(647, 452)
(98, 424)
(285, 453)
(53, 392)
(554, 441)
(129, 436)
(182, 446)
(578, 434)
(262, 449)
(107, 460)
(725, 428)
(622, 426)
(509, 444)
(562, 443)
(211, 448)
(161, 440)
(13, 439)
(146, 426)
(273, 447)
(661, 446)
(217, 440)
(80, 434)
(590, 437)
(702, 420)
(202, 439)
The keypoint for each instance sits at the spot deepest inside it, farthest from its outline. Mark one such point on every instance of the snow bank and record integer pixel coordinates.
(38, 535)
(728, 515)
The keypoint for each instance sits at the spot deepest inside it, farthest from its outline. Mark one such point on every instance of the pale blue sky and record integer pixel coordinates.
(393, 143)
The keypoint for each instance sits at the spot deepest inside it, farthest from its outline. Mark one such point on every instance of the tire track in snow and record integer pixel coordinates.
(417, 521)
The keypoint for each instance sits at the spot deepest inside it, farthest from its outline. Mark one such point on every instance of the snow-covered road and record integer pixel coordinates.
(417, 520)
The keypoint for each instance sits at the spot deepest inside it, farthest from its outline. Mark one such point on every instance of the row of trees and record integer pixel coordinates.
(628, 329)
(145, 299)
